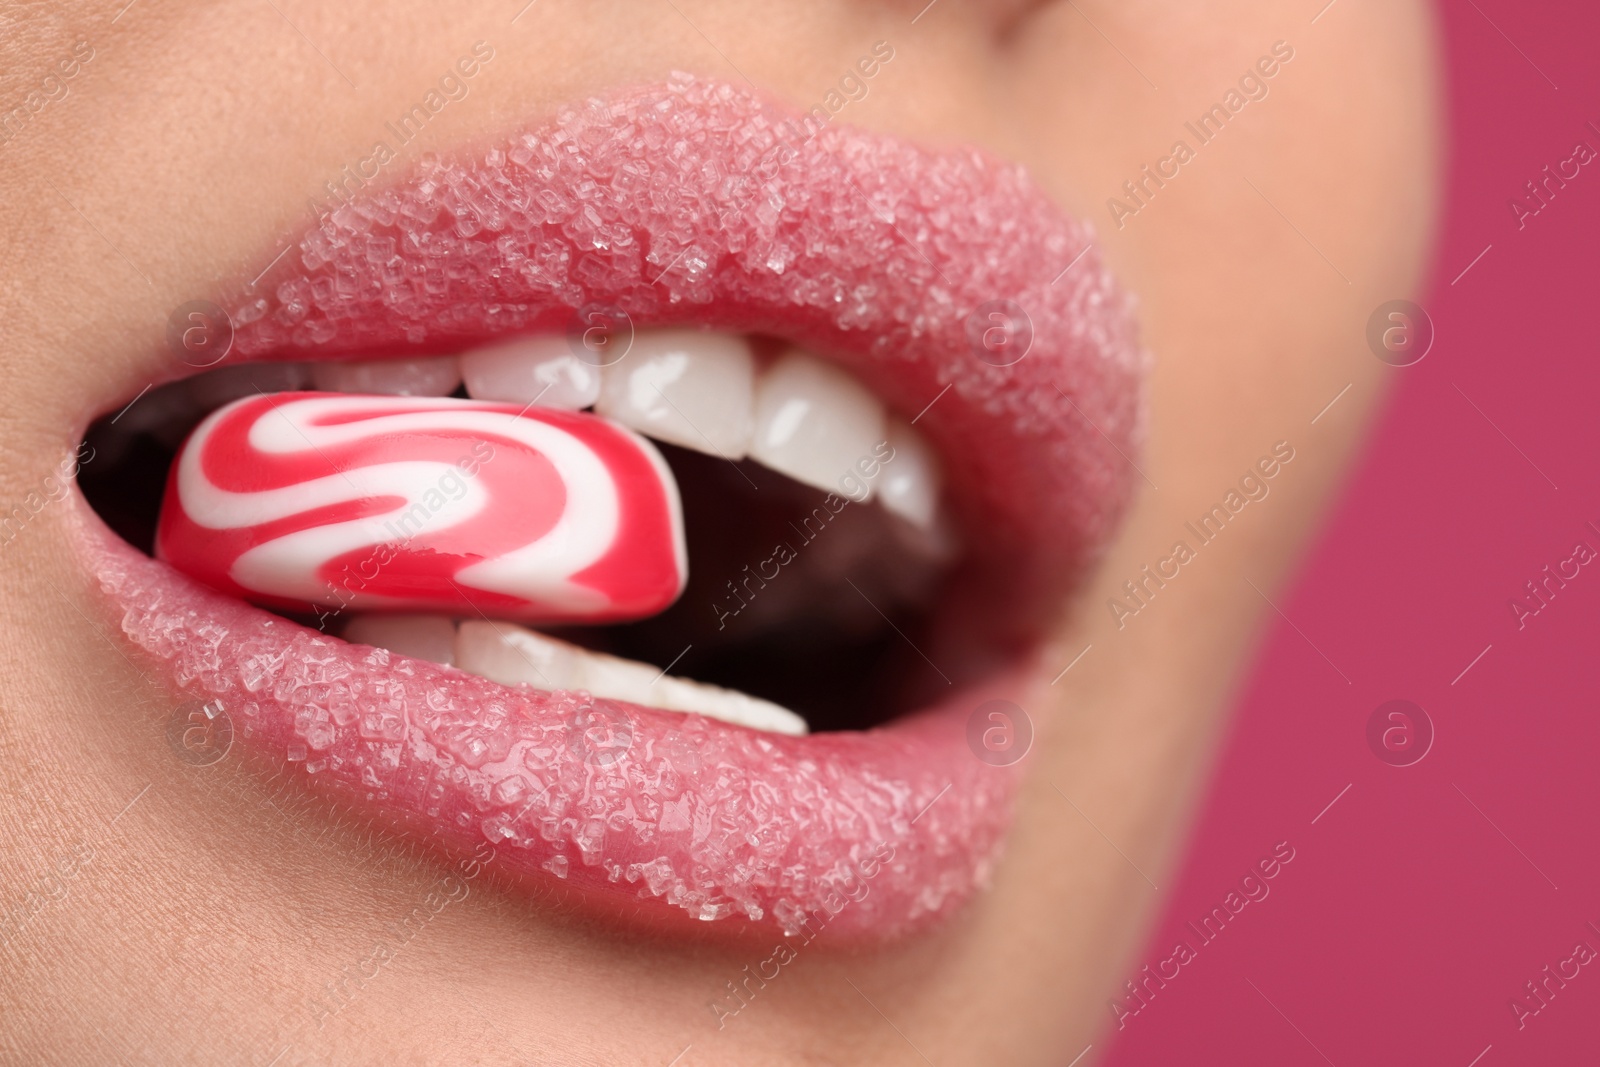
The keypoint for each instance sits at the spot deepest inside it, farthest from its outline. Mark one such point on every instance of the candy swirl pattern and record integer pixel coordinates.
(317, 500)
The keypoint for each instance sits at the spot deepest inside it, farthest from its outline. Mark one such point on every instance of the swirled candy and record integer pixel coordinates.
(319, 500)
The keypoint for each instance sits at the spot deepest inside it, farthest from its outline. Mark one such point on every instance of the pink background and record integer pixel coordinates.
(1408, 918)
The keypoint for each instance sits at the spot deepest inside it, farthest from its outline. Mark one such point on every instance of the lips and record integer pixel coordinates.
(942, 282)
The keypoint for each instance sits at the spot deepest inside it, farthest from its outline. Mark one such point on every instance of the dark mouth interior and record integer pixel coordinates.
(833, 636)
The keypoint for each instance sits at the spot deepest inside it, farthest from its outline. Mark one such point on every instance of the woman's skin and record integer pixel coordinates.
(210, 918)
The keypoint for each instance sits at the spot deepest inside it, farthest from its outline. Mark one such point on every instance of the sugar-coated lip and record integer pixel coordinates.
(697, 202)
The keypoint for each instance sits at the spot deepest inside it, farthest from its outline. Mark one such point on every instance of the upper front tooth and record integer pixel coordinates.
(437, 376)
(689, 387)
(531, 370)
(512, 655)
(909, 486)
(816, 424)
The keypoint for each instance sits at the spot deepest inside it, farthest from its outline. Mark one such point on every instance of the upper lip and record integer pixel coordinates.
(881, 256)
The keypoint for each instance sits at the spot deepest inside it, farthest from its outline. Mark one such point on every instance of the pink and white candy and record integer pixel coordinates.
(299, 500)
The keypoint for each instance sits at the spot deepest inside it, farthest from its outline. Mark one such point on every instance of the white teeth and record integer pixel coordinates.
(689, 387)
(695, 388)
(815, 423)
(541, 370)
(437, 376)
(909, 485)
(511, 655)
(429, 637)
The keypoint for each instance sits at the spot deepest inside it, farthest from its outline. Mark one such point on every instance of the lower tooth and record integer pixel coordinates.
(511, 655)
(429, 637)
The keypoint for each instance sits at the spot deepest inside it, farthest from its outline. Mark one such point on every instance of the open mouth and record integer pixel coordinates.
(814, 518)
(654, 496)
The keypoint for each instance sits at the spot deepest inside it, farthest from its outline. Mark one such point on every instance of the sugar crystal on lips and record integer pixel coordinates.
(299, 500)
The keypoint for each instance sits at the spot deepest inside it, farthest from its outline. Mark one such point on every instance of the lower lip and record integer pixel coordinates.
(868, 834)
